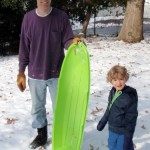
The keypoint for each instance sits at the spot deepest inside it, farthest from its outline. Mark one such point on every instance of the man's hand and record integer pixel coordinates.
(76, 40)
(21, 81)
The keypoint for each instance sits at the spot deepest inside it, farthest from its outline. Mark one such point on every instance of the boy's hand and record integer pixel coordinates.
(102, 123)
(21, 81)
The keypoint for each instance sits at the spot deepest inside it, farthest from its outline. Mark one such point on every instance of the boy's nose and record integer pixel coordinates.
(118, 83)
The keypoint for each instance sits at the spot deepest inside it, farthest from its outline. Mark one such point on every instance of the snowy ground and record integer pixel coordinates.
(104, 54)
(15, 119)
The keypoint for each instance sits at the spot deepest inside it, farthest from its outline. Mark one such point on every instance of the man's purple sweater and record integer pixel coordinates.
(42, 43)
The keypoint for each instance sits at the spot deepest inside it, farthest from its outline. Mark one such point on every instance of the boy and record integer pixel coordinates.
(121, 112)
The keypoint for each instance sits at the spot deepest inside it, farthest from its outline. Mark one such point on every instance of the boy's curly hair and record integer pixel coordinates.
(117, 71)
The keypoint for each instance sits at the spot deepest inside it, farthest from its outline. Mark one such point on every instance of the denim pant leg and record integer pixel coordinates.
(132, 146)
(38, 90)
(115, 141)
(112, 141)
(52, 85)
(128, 142)
(118, 142)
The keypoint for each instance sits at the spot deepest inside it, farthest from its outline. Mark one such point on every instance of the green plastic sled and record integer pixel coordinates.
(72, 99)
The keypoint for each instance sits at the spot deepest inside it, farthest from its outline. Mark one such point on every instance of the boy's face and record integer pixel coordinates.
(118, 83)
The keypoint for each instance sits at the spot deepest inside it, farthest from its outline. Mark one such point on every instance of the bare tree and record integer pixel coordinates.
(86, 21)
(132, 28)
(93, 6)
(87, 17)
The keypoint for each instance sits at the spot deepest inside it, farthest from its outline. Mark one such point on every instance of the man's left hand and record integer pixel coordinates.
(76, 40)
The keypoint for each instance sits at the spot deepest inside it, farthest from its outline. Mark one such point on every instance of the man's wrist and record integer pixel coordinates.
(21, 74)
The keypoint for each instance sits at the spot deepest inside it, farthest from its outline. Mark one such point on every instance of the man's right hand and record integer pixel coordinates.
(21, 81)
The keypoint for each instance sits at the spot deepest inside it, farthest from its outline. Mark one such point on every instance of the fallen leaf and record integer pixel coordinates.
(143, 127)
(91, 147)
(96, 111)
(10, 121)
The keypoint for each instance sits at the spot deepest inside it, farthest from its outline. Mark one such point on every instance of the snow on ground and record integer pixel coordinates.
(105, 53)
(15, 119)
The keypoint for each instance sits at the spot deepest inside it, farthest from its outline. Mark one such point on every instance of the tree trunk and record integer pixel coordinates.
(89, 2)
(94, 24)
(85, 24)
(132, 28)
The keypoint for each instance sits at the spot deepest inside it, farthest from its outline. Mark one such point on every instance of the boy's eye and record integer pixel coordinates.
(118, 79)
(121, 79)
(114, 79)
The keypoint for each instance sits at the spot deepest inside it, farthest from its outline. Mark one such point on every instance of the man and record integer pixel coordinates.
(45, 32)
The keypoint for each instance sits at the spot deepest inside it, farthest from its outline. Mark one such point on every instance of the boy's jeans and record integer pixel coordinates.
(119, 142)
(38, 89)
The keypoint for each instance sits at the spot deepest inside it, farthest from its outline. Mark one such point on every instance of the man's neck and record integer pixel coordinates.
(43, 13)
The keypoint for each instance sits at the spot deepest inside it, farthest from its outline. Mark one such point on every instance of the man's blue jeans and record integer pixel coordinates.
(119, 142)
(38, 89)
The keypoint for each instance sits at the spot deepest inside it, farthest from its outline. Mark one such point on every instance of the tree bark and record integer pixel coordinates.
(89, 2)
(132, 28)
(85, 24)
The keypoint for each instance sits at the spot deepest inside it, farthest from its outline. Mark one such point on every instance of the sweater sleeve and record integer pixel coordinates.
(24, 46)
(67, 34)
